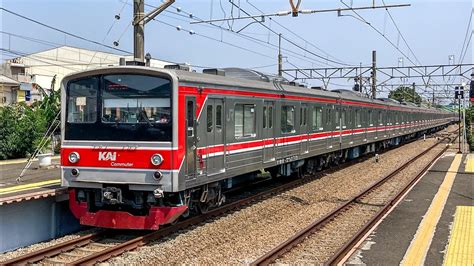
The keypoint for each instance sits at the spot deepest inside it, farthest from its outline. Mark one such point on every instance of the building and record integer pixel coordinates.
(8, 89)
(23, 74)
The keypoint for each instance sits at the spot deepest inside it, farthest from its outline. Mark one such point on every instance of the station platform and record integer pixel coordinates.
(432, 225)
(36, 183)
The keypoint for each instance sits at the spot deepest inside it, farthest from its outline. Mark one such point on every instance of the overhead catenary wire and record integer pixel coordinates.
(63, 31)
(288, 40)
(190, 15)
(400, 33)
(465, 37)
(383, 35)
(116, 18)
(241, 35)
(294, 33)
(467, 46)
(380, 33)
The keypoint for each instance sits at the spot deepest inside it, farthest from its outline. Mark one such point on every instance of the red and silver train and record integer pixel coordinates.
(143, 146)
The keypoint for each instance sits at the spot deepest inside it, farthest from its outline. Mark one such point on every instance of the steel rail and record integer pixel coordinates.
(299, 237)
(351, 243)
(129, 245)
(51, 251)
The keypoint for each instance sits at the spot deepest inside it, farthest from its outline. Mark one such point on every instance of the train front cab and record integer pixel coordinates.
(119, 151)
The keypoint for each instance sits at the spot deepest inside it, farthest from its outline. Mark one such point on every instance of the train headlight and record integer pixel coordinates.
(74, 157)
(156, 159)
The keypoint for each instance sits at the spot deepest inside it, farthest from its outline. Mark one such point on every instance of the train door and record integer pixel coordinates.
(304, 129)
(337, 136)
(328, 127)
(215, 136)
(268, 132)
(190, 137)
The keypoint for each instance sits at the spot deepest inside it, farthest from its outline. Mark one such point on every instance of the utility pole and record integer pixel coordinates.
(139, 30)
(139, 21)
(414, 93)
(374, 74)
(459, 94)
(280, 57)
(360, 79)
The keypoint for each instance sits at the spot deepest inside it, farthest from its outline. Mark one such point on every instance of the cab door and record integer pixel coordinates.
(215, 136)
(190, 137)
(269, 141)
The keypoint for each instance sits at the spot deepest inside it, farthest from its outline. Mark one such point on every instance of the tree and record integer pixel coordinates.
(406, 94)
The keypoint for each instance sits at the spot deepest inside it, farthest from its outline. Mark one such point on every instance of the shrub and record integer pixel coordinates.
(21, 130)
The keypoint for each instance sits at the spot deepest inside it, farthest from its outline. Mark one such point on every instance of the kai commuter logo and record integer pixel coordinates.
(107, 156)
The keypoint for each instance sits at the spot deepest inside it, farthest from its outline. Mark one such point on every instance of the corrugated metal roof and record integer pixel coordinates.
(4, 80)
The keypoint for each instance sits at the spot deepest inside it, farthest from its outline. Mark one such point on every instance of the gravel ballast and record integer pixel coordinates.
(319, 247)
(245, 235)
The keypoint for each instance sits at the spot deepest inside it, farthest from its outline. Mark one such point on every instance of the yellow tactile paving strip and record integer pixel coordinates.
(19, 188)
(470, 163)
(419, 246)
(461, 244)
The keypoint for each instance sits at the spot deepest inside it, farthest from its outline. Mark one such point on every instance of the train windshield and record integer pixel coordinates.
(119, 107)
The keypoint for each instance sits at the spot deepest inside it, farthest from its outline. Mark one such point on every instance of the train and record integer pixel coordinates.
(142, 147)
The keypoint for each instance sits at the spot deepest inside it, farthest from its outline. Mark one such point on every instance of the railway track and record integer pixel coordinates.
(91, 249)
(355, 210)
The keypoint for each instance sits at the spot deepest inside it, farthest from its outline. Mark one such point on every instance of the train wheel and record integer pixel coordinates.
(273, 172)
(203, 207)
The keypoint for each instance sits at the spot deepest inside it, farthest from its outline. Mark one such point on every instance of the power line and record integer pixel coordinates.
(63, 31)
(238, 34)
(288, 40)
(467, 46)
(49, 43)
(379, 32)
(465, 37)
(293, 33)
(399, 32)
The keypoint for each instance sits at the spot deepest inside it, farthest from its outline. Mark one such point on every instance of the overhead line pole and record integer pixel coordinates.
(280, 57)
(139, 30)
(374, 74)
(139, 21)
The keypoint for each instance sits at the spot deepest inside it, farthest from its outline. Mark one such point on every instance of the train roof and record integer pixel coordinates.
(242, 82)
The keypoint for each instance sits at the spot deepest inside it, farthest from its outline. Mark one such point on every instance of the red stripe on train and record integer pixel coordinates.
(119, 158)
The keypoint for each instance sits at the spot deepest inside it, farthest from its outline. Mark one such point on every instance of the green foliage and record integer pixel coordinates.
(406, 94)
(469, 121)
(23, 127)
(21, 130)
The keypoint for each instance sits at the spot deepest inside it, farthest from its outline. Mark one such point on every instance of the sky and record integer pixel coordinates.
(434, 30)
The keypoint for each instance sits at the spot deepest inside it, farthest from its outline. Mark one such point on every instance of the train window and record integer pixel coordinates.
(328, 116)
(287, 119)
(371, 119)
(357, 118)
(219, 116)
(244, 117)
(338, 120)
(305, 116)
(134, 99)
(265, 117)
(209, 118)
(343, 118)
(82, 101)
(270, 117)
(301, 116)
(317, 118)
(380, 118)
